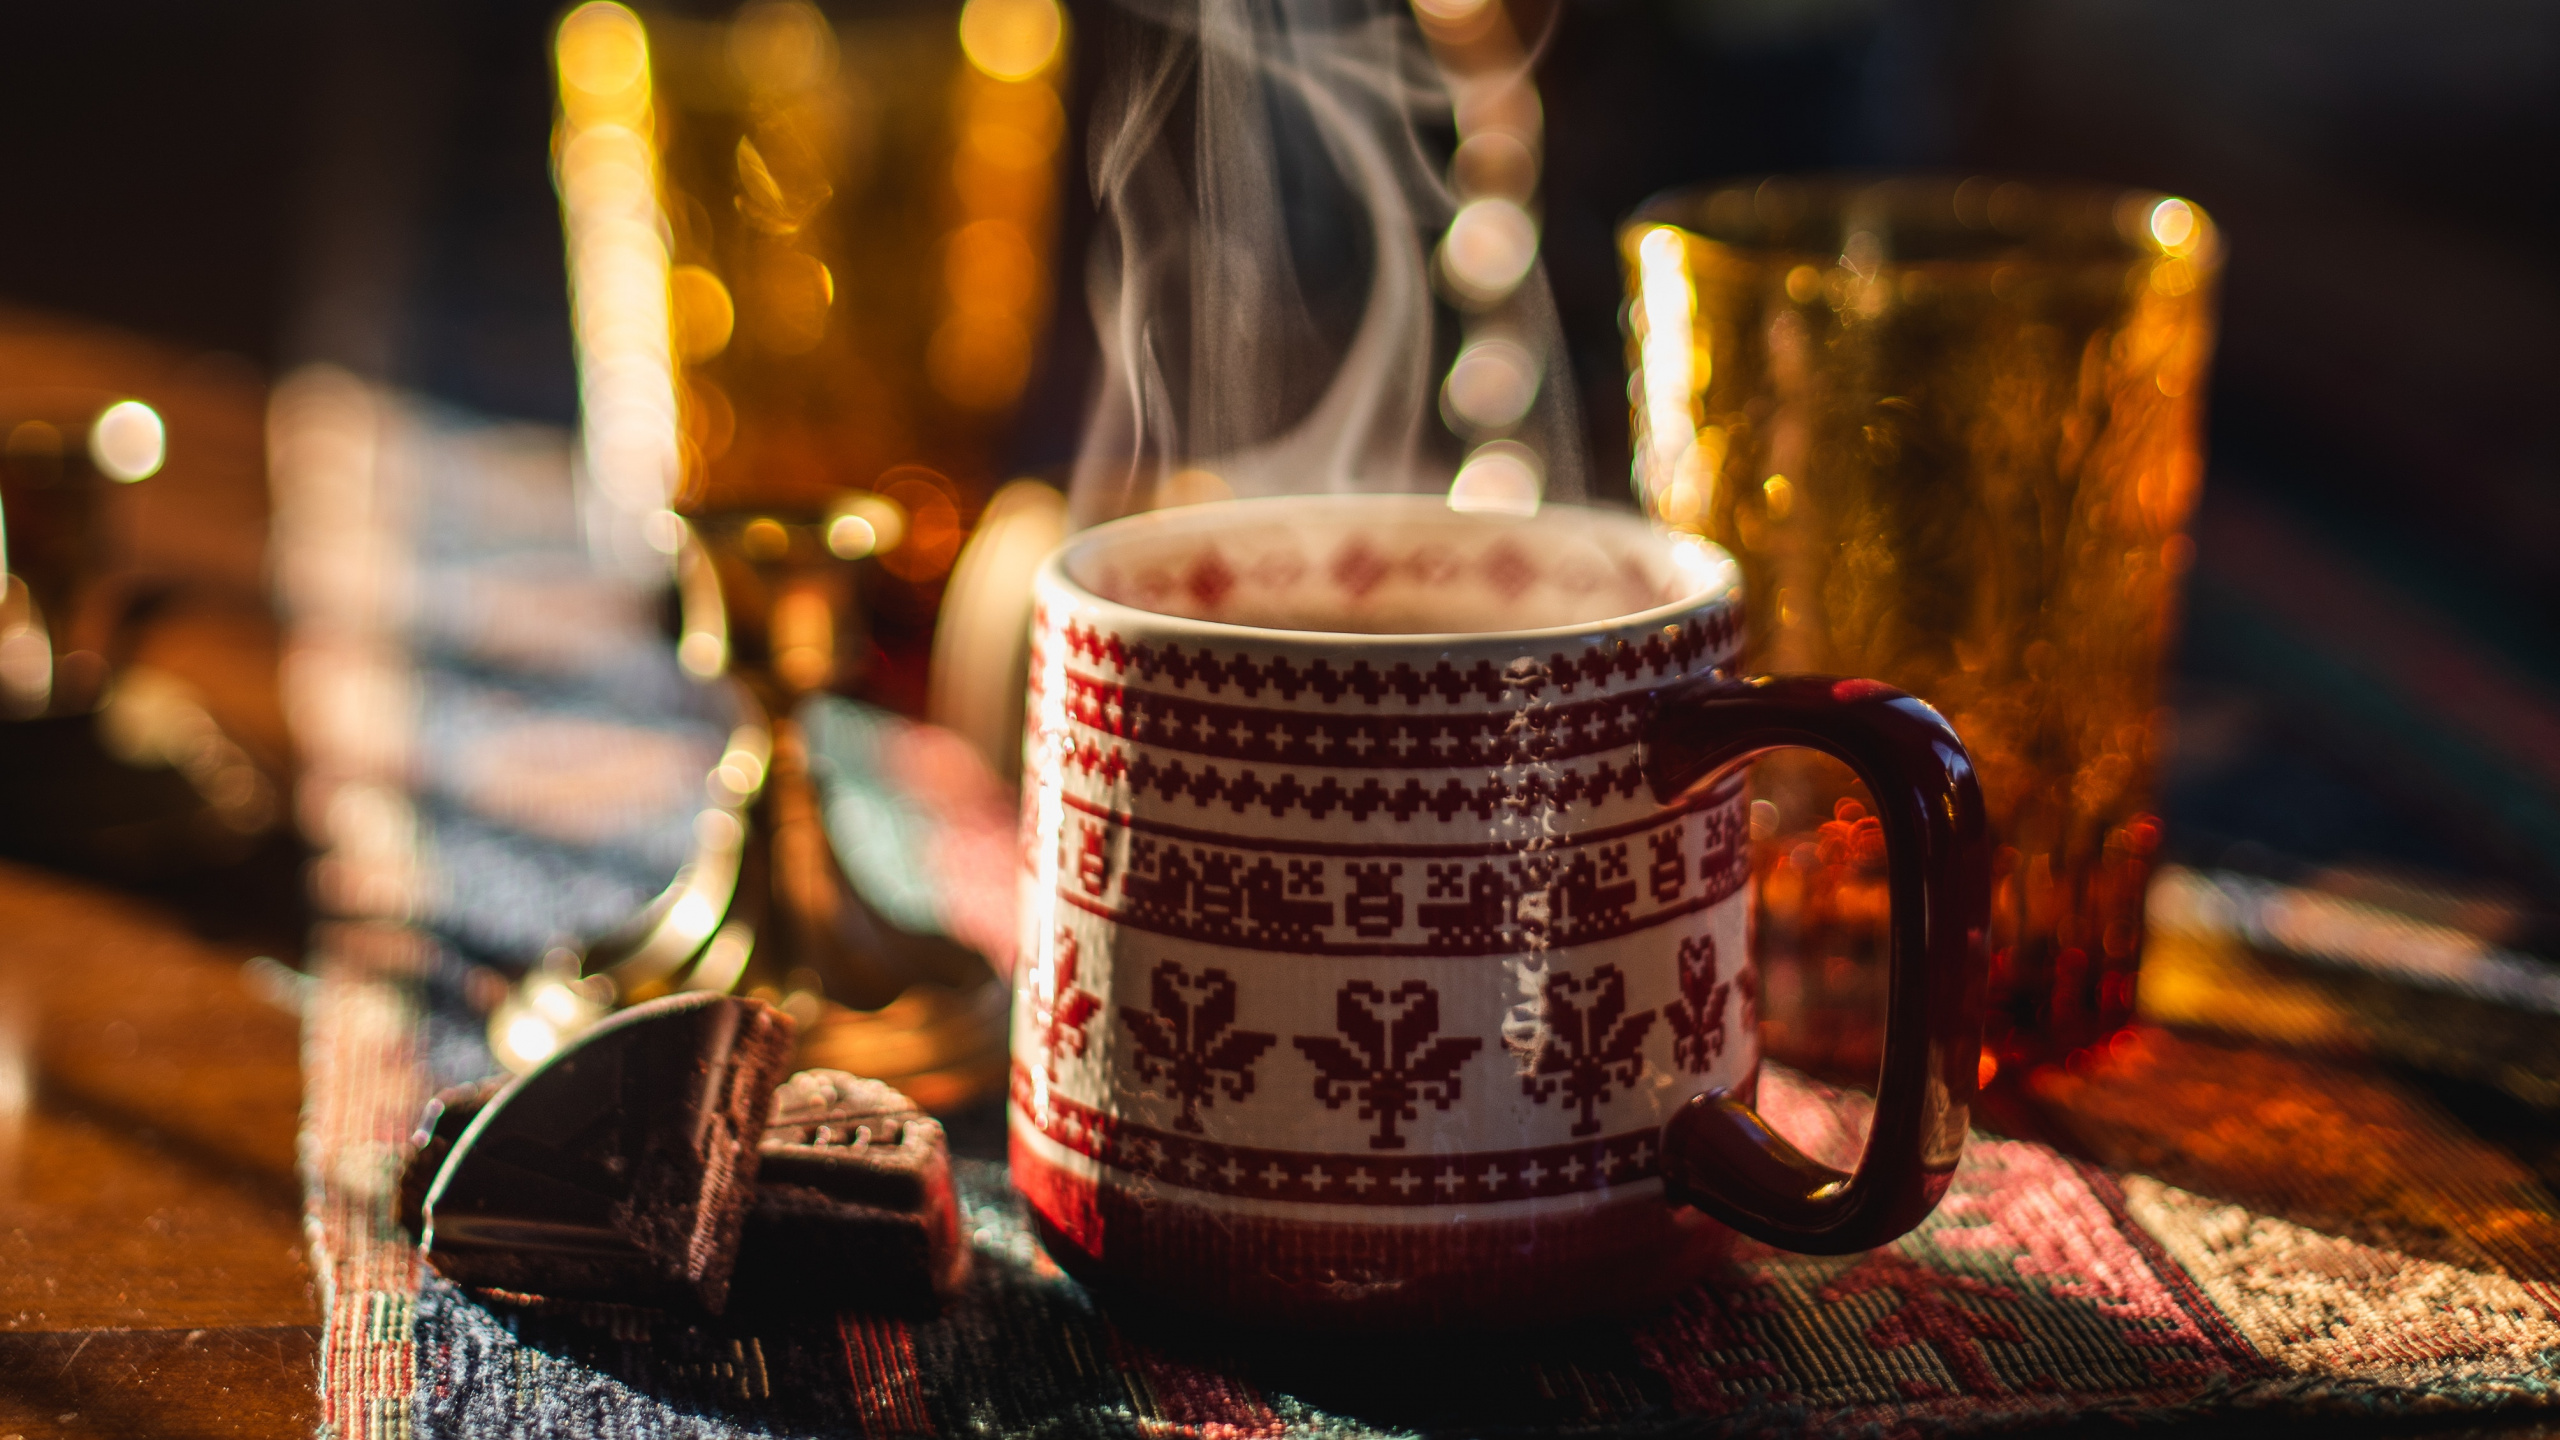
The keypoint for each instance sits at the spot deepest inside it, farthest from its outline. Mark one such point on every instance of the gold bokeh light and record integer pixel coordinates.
(865, 523)
(604, 63)
(128, 442)
(1501, 478)
(1490, 246)
(704, 314)
(1011, 39)
(2173, 223)
(934, 531)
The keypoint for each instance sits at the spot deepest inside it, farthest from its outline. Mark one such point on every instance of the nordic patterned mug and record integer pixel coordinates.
(1386, 958)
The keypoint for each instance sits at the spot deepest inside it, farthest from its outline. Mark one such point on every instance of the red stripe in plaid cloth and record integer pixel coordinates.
(1176, 1398)
(880, 1356)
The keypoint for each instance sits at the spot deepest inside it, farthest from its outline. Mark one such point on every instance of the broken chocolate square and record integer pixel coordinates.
(622, 1168)
(447, 1115)
(854, 1205)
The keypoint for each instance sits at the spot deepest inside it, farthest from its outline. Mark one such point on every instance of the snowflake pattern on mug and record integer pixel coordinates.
(1386, 1064)
(1697, 1017)
(1187, 1040)
(1586, 1043)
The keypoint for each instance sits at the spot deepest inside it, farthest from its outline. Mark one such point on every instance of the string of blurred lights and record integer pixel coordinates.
(605, 163)
(1490, 248)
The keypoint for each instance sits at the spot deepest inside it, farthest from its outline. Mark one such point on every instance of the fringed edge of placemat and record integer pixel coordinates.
(341, 549)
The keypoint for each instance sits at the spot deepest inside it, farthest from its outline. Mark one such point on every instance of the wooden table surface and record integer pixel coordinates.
(152, 1272)
(153, 1279)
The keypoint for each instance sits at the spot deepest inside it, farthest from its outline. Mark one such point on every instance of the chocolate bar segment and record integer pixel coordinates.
(446, 1116)
(854, 1205)
(624, 1167)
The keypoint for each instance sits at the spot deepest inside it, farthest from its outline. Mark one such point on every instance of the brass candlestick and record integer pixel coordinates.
(764, 906)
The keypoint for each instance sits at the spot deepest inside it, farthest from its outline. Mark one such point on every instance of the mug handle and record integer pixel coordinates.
(1717, 1153)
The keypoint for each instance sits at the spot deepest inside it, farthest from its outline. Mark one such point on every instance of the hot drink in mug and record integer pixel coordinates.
(1386, 959)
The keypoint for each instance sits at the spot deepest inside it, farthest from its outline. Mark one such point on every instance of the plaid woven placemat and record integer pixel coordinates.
(2267, 1237)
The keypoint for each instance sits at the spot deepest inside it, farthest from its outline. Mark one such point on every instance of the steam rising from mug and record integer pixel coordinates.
(1269, 174)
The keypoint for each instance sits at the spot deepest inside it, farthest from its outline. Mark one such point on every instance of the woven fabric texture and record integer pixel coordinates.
(2267, 1237)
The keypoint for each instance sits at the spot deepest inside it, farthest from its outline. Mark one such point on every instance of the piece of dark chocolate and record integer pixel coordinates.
(854, 1204)
(447, 1115)
(622, 1168)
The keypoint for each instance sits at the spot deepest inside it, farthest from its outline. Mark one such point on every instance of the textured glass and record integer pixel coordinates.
(861, 226)
(809, 248)
(1951, 433)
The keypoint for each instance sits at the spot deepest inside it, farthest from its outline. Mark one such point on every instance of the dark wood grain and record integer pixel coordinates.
(152, 1273)
(224, 1381)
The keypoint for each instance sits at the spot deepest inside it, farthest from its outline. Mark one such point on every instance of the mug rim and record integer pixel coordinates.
(1724, 588)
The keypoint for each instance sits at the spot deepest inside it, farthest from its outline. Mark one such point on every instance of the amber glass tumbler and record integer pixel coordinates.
(1951, 430)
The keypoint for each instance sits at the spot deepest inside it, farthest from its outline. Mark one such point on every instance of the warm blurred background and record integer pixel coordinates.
(259, 186)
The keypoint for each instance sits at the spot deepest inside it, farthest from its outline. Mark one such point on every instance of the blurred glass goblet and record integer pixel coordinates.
(808, 258)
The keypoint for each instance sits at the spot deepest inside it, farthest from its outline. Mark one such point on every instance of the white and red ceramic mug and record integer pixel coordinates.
(1386, 957)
